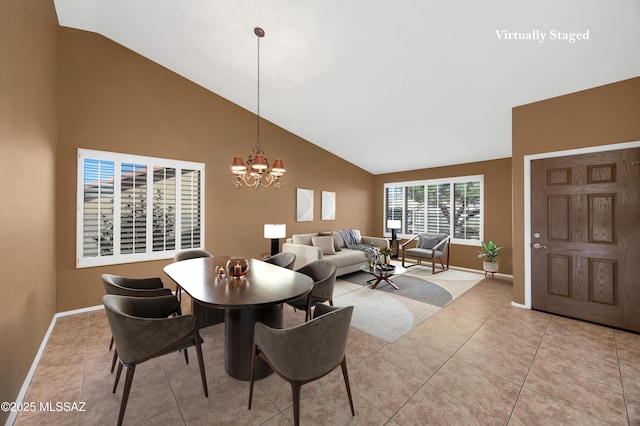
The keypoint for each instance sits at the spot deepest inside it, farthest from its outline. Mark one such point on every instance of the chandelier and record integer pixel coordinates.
(255, 171)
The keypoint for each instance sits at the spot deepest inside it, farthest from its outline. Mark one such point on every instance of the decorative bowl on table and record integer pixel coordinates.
(237, 266)
(386, 267)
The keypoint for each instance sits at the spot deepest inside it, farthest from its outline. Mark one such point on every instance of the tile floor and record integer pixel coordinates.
(477, 361)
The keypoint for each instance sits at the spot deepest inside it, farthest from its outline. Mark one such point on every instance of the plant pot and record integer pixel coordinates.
(491, 267)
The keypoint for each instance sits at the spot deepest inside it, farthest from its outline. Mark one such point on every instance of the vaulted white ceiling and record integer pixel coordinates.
(388, 86)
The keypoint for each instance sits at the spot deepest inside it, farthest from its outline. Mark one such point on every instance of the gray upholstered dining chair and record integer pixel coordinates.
(140, 338)
(141, 287)
(430, 247)
(284, 259)
(323, 274)
(185, 255)
(306, 352)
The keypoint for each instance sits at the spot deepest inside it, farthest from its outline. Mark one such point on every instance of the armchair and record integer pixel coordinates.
(428, 246)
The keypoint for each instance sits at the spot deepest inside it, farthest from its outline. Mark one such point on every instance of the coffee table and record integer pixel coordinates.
(383, 275)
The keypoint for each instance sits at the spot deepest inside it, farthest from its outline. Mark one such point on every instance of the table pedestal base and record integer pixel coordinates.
(238, 340)
(206, 315)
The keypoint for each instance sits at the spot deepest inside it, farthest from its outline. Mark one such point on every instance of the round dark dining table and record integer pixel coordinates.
(256, 297)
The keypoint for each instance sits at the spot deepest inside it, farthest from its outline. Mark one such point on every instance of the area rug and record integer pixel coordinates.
(410, 287)
(388, 313)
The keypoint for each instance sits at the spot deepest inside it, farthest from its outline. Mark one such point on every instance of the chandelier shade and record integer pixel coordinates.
(255, 172)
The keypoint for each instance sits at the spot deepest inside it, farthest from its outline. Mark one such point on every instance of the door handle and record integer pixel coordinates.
(538, 246)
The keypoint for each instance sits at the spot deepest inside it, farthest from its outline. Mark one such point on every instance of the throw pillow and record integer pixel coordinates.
(429, 242)
(325, 243)
(336, 246)
(337, 237)
(304, 239)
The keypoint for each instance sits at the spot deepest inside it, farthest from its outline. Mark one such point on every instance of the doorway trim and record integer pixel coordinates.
(527, 202)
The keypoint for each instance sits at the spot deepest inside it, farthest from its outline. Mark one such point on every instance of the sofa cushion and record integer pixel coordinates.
(325, 243)
(338, 239)
(348, 257)
(304, 239)
(336, 246)
(421, 252)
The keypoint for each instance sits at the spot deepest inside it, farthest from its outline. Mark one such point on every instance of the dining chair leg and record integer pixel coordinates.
(345, 375)
(252, 373)
(115, 382)
(111, 344)
(307, 314)
(114, 360)
(186, 356)
(125, 394)
(295, 390)
(203, 375)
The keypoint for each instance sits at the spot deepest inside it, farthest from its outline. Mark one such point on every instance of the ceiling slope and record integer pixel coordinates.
(388, 86)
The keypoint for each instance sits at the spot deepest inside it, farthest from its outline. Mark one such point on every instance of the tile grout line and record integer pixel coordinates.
(624, 393)
(449, 356)
(528, 370)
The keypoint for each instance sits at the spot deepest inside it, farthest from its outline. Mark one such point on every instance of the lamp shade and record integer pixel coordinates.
(259, 163)
(238, 166)
(275, 230)
(394, 224)
(278, 168)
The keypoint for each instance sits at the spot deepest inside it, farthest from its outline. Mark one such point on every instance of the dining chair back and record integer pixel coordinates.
(284, 259)
(323, 272)
(186, 255)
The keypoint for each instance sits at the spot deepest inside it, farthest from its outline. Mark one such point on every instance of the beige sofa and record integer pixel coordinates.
(330, 246)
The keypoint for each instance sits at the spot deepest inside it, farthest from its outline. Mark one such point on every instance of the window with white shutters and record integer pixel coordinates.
(451, 206)
(134, 208)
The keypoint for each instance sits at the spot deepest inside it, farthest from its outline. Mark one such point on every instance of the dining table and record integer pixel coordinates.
(241, 302)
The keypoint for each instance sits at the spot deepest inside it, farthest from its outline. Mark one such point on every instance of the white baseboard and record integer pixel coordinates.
(479, 271)
(25, 385)
(518, 305)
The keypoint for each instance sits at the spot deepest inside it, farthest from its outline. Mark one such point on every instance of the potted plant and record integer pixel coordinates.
(386, 253)
(490, 251)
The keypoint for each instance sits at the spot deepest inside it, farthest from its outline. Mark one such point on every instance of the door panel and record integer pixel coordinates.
(586, 262)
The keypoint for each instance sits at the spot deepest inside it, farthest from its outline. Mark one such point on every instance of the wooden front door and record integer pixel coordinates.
(585, 255)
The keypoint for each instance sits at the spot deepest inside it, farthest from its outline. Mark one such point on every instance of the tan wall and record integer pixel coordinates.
(599, 116)
(115, 100)
(28, 132)
(497, 203)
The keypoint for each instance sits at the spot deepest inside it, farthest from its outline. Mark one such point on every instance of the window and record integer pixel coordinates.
(133, 208)
(451, 206)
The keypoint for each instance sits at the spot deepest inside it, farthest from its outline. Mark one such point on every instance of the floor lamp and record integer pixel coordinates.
(394, 225)
(275, 231)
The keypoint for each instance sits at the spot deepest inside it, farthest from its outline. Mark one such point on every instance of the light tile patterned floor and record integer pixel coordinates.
(477, 361)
